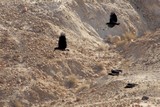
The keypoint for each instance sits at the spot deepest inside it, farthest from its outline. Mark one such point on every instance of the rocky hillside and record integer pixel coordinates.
(145, 51)
(32, 74)
(141, 66)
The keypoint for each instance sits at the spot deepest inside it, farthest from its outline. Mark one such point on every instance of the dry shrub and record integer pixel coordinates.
(98, 67)
(128, 36)
(102, 48)
(116, 39)
(17, 103)
(102, 73)
(121, 44)
(125, 39)
(2, 65)
(101, 51)
(121, 40)
(147, 33)
(126, 64)
(82, 87)
(71, 81)
(108, 39)
(113, 39)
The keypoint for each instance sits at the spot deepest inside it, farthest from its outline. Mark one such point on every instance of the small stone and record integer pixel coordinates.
(145, 98)
(77, 99)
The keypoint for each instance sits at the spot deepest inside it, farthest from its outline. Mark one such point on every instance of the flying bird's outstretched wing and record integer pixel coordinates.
(113, 18)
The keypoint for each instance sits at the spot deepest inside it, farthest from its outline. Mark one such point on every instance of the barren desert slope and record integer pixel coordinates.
(32, 74)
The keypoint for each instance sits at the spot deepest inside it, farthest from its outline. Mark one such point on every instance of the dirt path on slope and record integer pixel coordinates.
(148, 85)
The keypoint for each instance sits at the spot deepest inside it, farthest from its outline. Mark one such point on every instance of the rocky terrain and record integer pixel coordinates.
(32, 74)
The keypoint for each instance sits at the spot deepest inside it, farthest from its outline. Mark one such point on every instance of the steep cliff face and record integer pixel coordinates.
(91, 16)
(145, 52)
(134, 16)
(97, 13)
(148, 11)
(31, 72)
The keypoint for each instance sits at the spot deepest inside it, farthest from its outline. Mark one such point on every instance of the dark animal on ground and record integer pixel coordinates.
(130, 85)
(145, 98)
(115, 72)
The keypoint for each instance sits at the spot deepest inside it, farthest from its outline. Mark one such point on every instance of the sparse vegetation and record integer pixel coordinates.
(128, 36)
(97, 68)
(17, 103)
(35, 75)
(113, 39)
(82, 87)
(71, 81)
(102, 48)
(121, 40)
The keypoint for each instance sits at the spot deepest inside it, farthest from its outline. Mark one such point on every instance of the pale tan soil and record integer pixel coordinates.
(32, 74)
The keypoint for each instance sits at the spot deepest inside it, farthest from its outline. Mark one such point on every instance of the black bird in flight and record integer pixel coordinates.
(62, 43)
(113, 20)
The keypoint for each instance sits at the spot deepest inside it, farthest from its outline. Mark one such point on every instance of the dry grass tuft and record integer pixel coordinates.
(17, 103)
(98, 67)
(121, 40)
(125, 39)
(128, 36)
(113, 39)
(103, 47)
(2, 65)
(71, 81)
(82, 87)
